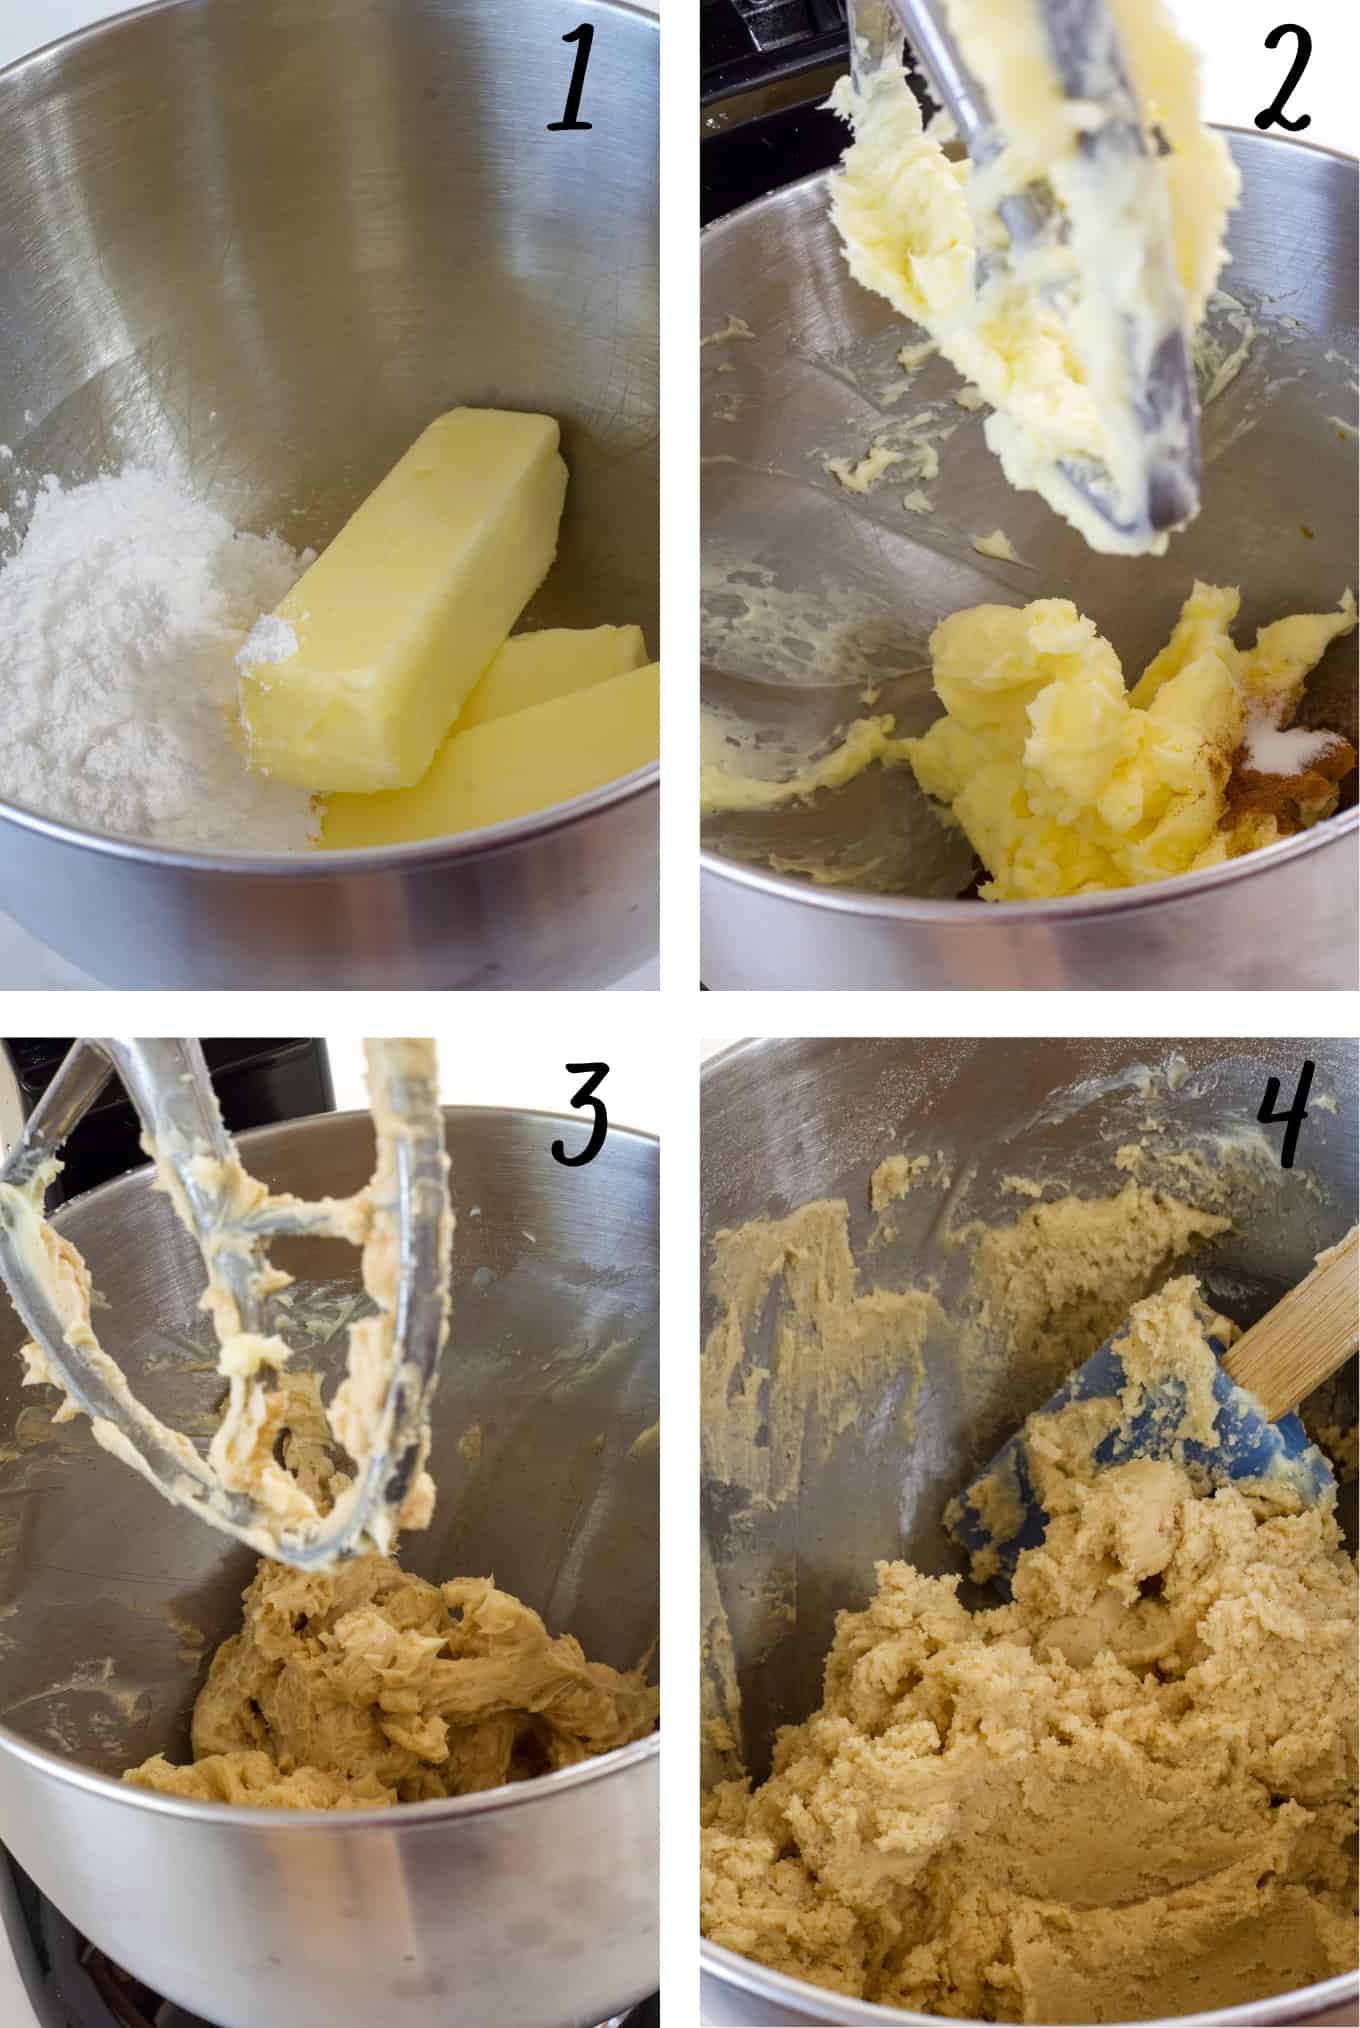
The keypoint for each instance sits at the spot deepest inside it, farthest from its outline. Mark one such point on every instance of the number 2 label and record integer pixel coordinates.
(1274, 115)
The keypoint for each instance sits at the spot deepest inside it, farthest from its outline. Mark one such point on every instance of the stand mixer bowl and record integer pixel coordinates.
(787, 1122)
(533, 1905)
(813, 595)
(263, 243)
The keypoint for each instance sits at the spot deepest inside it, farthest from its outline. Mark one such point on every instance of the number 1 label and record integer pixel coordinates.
(569, 123)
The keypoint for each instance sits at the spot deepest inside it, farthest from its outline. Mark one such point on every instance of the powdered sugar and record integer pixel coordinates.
(120, 618)
(269, 640)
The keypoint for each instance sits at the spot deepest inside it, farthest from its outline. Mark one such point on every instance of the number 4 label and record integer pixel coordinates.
(1296, 1115)
(569, 123)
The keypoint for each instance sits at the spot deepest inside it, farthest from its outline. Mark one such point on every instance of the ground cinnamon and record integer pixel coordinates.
(1295, 801)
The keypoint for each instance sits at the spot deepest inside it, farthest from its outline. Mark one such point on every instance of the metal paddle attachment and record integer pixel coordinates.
(1140, 365)
(379, 1415)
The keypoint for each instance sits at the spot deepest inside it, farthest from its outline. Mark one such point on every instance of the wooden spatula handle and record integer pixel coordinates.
(1308, 1334)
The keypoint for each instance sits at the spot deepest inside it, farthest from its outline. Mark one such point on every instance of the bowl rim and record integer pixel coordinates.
(508, 1796)
(954, 913)
(816, 2003)
(940, 913)
(813, 176)
(315, 862)
(92, 29)
(618, 1760)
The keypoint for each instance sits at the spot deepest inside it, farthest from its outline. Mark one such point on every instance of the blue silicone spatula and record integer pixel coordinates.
(1274, 1365)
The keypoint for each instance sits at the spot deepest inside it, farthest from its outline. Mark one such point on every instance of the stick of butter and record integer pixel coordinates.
(511, 767)
(395, 622)
(534, 668)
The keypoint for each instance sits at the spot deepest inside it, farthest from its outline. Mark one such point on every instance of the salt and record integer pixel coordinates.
(121, 615)
(1269, 751)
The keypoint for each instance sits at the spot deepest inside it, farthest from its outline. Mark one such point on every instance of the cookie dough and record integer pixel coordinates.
(1047, 337)
(365, 1686)
(1128, 1793)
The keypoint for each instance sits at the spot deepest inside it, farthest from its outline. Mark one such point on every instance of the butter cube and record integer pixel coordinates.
(396, 621)
(533, 668)
(511, 767)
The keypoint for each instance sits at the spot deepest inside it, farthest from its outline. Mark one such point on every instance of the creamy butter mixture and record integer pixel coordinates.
(1057, 341)
(1129, 1792)
(365, 1686)
(1066, 782)
(1063, 781)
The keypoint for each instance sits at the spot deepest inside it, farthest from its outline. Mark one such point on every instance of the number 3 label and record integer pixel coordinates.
(595, 1074)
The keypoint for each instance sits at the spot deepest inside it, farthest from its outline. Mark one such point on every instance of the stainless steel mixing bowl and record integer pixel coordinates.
(263, 243)
(785, 1122)
(845, 591)
(534, 1906)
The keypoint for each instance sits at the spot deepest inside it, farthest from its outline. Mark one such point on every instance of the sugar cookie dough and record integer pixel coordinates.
(1032, 337)
(1128, 1793)
(366, 1686)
